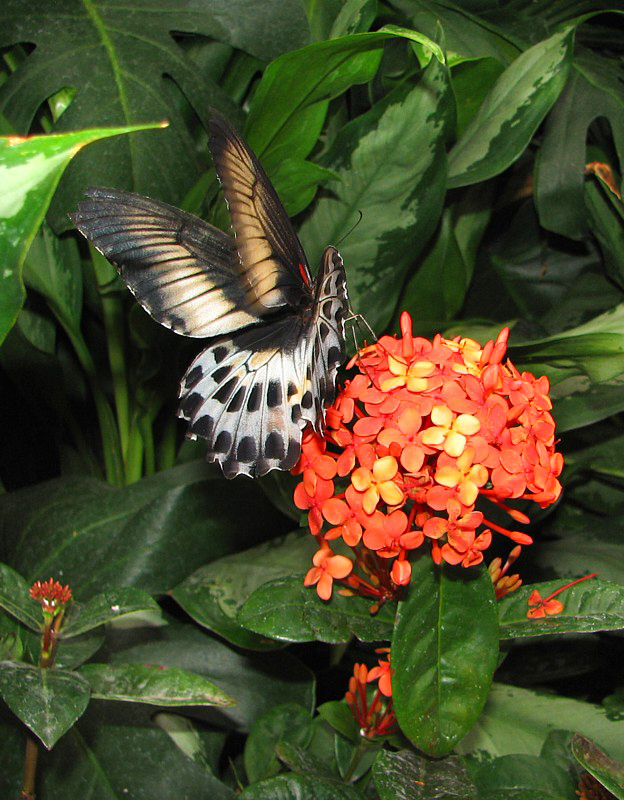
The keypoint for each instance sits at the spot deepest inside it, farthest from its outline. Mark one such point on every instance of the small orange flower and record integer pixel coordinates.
(327, 567)
(378, 483)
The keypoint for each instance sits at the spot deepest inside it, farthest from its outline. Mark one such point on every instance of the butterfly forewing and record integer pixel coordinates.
(182, 270)
(272, 260)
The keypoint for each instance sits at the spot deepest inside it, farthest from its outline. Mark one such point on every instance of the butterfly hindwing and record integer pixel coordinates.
(251, 394)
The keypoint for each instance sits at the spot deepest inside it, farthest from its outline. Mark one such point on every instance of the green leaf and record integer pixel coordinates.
(115, 751)
(512, 111)
(585, 366)
(105, 607)
(286, 721)
(214, 594)
(524, 778)
(391, 167)
(444, 652)
(518, 720)
(53, 268)
(594, 605)
(606, 217)
(287, 610)
(338, 714)
(257, 681)
(15, 598)
(593, 91)
(150, 535)
(148, 683)
(466, 35)
(48, 701)
(298, 787)
(30, 169)
(607, 771)
(405, 775)
(437, 290)
(129, 51)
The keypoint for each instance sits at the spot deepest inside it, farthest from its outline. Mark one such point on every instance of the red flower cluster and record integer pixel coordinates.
(375, 718)
(411, 443)
(51, 595)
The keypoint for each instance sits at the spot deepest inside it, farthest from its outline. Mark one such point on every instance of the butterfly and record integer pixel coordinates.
(276, 335)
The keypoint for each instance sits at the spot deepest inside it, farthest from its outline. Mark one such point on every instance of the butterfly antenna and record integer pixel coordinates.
(351, 229)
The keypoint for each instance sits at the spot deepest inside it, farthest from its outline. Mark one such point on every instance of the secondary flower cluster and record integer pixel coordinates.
(374, 715)
(412, 442)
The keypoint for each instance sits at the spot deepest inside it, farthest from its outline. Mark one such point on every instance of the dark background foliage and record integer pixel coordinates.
(444, 148)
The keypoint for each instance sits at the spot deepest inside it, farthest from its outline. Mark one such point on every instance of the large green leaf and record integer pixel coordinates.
(444, 652)
(30, 169)
(48, 701)
(130, 68)
(291, 786)
(517, 721)
(593, 90)
(256, 681)
(391, 168)
(156, 685)
(150, 535)
(591, 606)
(115, 752)
(466, 36)
(214, 594)
(291, 612)
(585, 366)
(607, 770)
(406, 775)
(512, 111)
(524, 778)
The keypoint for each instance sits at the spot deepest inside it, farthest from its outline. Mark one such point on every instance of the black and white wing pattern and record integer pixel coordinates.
(277, 335)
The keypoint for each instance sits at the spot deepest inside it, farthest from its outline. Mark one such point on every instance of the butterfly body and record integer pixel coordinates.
(276, 334)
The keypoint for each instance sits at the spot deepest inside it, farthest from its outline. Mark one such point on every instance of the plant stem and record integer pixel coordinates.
(113, 325)
(30, 769)
(110, 439)
(355, 760)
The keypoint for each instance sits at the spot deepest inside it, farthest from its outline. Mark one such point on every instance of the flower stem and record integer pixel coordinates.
(355, 760)
(30, 769)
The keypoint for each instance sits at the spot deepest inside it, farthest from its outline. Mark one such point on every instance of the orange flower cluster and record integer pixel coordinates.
(412, 442)
(375, 718)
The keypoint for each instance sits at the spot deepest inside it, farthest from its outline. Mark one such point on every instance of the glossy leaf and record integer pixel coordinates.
(518, 720)
(525, 778)
(156, 685)
(444, 652)
(30, 169)
(128, 52)
(106, 607)
(512, 111)
(287, 721)
(288, 611)
(592, 91)
(405, 775)
(214, 594)
(291, 786)
(149, 535)
(607, 770)
(595, 605)
(15, 598)
(256, 681)
(48, 701)
(115, 746)
(391, 166)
